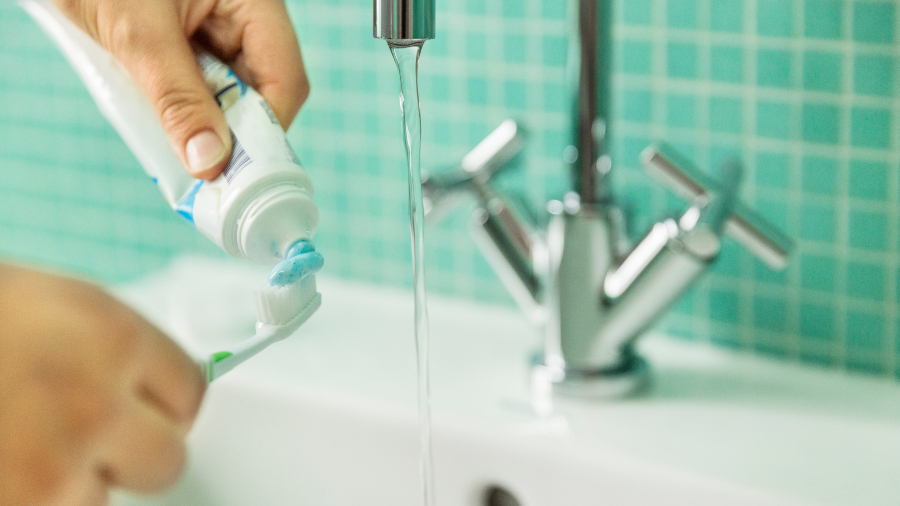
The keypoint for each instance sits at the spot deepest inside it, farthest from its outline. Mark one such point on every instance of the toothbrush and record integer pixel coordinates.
(280, 311)
(283, 304)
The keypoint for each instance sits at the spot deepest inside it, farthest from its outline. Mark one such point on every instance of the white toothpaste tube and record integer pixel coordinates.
(259, 207)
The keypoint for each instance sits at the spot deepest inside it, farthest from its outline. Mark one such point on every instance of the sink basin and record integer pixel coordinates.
(328, 417)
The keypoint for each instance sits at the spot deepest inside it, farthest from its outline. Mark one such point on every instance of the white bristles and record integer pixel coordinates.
(278, 305)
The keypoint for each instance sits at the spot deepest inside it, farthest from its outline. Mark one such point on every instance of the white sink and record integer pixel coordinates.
(328, 416)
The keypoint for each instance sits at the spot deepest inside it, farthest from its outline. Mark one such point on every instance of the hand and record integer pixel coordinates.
(92, 396)
(153, 41)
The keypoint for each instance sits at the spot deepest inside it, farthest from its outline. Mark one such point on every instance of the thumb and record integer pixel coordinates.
(157, 54)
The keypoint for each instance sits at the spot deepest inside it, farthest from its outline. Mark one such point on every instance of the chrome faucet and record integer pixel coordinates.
(576, 276)
(403, 21)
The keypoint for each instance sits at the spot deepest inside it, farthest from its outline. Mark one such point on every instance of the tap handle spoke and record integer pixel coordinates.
(744, 225)
(490, 157)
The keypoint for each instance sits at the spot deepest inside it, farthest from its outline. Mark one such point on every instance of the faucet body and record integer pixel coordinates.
(576, 277)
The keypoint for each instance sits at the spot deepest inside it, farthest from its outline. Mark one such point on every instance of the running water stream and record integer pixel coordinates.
(407, 58)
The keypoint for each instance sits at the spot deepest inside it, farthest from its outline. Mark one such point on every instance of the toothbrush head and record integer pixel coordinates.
(281, 305)
(281, 310)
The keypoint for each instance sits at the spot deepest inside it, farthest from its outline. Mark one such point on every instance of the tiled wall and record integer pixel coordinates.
(806, 91)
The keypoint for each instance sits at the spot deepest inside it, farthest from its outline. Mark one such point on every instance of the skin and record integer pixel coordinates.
(92, 396)
(154, 41)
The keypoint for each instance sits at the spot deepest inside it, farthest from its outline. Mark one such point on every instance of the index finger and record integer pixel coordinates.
(270, 60)
(169, 379)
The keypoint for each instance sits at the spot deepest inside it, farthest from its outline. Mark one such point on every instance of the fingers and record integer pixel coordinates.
(271, 62)
(169, 380)
(149, 41)
(144, 450)
(84, 488)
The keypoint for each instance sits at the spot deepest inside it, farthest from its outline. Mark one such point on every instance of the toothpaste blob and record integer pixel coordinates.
(262, 204)
(302, 261)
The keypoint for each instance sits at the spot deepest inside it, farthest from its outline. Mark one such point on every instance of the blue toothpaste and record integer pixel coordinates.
(302, 260)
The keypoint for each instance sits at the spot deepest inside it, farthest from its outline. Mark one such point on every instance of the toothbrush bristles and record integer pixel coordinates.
(278, 305)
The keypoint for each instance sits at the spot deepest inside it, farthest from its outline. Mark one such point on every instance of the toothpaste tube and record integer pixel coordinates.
(259, 207)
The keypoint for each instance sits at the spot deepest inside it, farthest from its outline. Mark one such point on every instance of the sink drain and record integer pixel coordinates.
(499, 496)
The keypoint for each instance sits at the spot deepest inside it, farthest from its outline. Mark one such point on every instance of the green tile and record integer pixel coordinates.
(818, 272)
(514, 8)
(868, 230)
(439, 89)
(865, 331)
(725, 114)
(874, 21)
(476, 6)
(554, 141)
(866, 281)
(729, 263)
(868, 180)
(515, 49)
(778, 348)
(822, 71)
(515, 95)
(681, 111)
(817, 321)
(773, 170)
(865, 363)
(727, 64)
(823, 18)
(773, 120)
(770, 313)
(682, 13)
(633, 57)
(635, 12)
(635, 105)
(682, 60)
(726, 15)
(555, 50)
(775, 18)
(819, 175)
(874, 74)
(556, 98)
(817, 222)
(476, 46)
(896, 298)
(551, 9)
(477, 89)
(821, 123)
(722, 151)
(629, 147)
(870, 127)
(774, 209)
(773, 68)
(724, 306)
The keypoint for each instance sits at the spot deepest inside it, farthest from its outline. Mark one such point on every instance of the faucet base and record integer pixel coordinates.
(629, 379)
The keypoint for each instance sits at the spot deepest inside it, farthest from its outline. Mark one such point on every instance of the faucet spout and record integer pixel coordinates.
(403, 21)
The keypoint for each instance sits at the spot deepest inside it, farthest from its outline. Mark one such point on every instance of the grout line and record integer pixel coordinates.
(842, 206)
(749, 148)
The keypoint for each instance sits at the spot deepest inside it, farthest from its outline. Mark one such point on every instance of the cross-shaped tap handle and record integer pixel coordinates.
(744, 225)
(490, 157)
